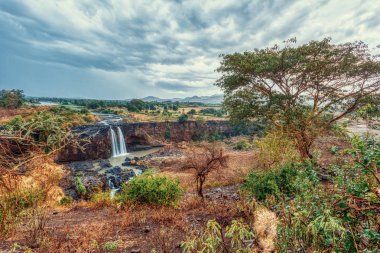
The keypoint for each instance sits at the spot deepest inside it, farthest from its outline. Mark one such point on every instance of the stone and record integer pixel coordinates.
(115, 170)
(146, 229)
(127, 175)
(116, 181)
(105, 164)
(127, 163)
(81, 166)
(135, 250)
(141, 167)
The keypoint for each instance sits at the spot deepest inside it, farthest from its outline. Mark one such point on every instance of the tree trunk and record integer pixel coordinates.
(304, 146)
(200, 181)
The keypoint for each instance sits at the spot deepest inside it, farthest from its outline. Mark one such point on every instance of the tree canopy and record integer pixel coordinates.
(299, 87)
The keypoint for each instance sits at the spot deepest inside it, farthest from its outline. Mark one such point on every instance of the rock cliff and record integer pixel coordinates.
(96, 139)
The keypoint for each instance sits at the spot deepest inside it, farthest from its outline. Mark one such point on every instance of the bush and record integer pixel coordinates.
(14, 203)
(152, 189)
(110, 246)
(101, 199)
(216, 239)
(65, 200)
(242, 145)
(192, 112)
(79, 187)
(276, 149)
(183, 118)
(277, 182)
(167, 133)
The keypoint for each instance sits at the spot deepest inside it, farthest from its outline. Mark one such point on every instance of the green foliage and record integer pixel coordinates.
(216, 136)
(152, 189)
(276, 149)
(200, 136)
(167, 132)
(65, 200)
(340, 218)
(212, 111)
(183, 118)
(15, 203)
(215, 239)
(11, 99)
(110, 246)
(276, 182)
(192, 112)
(48, 130)
(200, 121)
(242, 145)
(79, 187)
(334, 150)
(270, 84)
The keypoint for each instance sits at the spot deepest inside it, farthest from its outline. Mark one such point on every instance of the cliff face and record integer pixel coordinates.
(96, 140)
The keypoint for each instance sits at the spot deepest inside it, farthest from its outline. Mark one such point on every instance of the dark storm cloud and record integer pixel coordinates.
(161, 47)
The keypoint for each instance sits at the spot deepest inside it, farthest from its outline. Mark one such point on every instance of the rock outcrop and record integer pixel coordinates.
(96, 141)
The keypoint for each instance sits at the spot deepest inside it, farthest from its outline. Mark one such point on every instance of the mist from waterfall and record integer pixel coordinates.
(118, 143)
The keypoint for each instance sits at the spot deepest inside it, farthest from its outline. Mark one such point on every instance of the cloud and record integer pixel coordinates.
(162, 48)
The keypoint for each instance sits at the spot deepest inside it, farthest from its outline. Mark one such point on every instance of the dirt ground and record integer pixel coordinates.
(83, 227)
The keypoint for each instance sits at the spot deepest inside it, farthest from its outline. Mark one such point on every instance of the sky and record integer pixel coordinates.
(119, 49)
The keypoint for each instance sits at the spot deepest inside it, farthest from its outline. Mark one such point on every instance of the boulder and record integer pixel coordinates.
(81, 166)
(105, 164)
(115, 170)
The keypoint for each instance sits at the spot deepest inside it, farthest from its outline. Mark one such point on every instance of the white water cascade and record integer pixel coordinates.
(113, 189)
(118, 143)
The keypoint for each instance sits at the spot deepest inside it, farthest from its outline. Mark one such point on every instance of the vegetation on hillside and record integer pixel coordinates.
(301, 90)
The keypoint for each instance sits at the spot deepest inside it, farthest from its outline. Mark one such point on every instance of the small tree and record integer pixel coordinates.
(192, 112)
(203, 159)
(301, 90)
(183, 118)
(11, 99)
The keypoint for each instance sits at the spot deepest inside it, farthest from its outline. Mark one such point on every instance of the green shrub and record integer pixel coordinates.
(167, 133)
(242, 145)
(14, 204)
(102, 199)
(79, 187)
(274, 182)
(183, 118)
(192, 112)
(152, 189)
(216, 239)
(334, 150)
(65, 200)
(110, 246)
(216, 136)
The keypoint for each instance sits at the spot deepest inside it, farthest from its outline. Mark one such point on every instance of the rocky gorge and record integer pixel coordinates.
(96, 141)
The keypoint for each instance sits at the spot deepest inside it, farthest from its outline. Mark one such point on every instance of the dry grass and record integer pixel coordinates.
(239, 164)
(265, 225)
(8, 114)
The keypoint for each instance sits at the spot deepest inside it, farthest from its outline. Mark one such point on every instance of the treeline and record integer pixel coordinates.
(134, 105)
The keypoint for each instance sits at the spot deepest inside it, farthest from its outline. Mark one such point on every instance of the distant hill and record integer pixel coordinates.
(214, 99)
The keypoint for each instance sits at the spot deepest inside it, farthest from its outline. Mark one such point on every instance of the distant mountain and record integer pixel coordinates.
(214, 99)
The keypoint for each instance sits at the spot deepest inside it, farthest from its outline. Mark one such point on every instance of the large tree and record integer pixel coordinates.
(300, 89)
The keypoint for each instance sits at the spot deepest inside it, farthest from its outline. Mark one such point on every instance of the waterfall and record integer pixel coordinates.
(118, 143)
(113, 189)
(122, 147)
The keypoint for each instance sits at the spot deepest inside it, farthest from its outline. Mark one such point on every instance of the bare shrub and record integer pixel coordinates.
(36, 234)
(203, 159)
